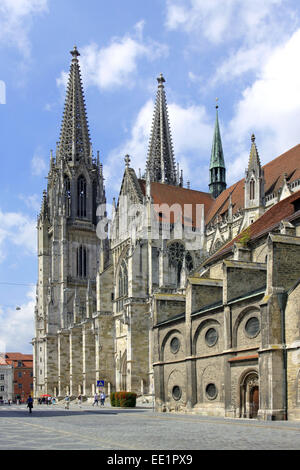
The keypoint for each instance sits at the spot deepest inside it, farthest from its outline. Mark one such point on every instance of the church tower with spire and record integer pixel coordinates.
(217, 169)
(68, 247)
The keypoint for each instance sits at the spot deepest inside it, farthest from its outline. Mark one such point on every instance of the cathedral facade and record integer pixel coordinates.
(186, 295)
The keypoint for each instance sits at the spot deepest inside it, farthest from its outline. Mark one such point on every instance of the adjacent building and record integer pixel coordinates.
(6, 380)
(21, 372)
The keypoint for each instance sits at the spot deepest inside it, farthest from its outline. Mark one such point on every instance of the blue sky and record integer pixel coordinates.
(245, 52)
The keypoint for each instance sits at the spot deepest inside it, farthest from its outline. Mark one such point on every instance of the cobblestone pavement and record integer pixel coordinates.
(87, 428)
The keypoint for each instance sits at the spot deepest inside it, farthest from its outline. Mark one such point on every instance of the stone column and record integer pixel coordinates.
(75, 361)
(88, 359)
(63, 363)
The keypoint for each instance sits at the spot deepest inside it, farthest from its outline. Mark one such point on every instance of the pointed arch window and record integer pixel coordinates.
(82, 261)
(67, 188)
(81, 191)
(252, 190)
(123, 280)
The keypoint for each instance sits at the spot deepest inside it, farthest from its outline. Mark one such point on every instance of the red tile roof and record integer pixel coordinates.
(267, 222)
(288, 162)
(27, 359)
(167, 194)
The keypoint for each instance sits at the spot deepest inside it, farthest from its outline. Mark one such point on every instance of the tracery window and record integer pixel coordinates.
(67, 188)
(123, 280)
(81, 191)
(177, 256)
(82, 261)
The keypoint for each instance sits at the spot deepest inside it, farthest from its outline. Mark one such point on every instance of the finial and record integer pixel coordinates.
(217, 99)
(253, 138)
(127, 161)
(74, 52)
(160, 80)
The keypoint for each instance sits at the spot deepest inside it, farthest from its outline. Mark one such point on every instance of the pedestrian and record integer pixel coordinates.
(102, 398)
(49, 401)
(95, 399)
(67, 402)
(30, 403)
(53, 401)
(79, 400)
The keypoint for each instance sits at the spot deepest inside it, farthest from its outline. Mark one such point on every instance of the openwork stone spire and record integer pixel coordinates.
(254, 161)
(217, 170)
(160, 160)
(74, 143)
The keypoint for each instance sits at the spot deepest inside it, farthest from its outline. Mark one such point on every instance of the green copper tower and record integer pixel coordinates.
(217, 170)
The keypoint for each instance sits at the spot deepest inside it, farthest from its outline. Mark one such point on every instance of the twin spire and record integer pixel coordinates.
(74, 143)
(160, 160)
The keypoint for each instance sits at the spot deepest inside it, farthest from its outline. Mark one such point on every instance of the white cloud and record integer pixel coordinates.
(223, 20)
(38, 163)
(247, 31)
(32, 201)
(20, 321)
(269, 108)
(116, 65)
(191, 132)
(16, 18)
(17, 229)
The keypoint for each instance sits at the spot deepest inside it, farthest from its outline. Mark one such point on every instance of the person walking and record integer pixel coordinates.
(67, 402)
(30, 403)
(79, 400)
(95, 399)
(102, 398)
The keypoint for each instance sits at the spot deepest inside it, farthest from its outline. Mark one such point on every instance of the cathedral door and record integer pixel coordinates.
(254, 402)
(249, 397)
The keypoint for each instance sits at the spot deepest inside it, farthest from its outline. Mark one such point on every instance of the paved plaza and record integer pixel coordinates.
(87, 428)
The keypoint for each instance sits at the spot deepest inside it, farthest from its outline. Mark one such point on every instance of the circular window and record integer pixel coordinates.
(211, 337)
(174, 345)
(211, 391)
(176, 392)
(252, 327)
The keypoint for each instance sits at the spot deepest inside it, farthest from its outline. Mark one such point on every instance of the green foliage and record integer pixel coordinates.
(123, 399)
(245, 237)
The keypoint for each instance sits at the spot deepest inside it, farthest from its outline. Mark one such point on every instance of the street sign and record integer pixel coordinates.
(100, 383)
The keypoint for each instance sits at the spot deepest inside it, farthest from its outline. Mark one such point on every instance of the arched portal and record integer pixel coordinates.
(249, 395)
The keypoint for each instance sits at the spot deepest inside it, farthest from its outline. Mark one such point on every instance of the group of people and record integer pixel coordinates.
(51, 400)
(47, 400)
(102, 399)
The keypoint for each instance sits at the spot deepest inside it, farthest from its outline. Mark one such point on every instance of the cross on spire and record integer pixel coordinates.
(127, 161)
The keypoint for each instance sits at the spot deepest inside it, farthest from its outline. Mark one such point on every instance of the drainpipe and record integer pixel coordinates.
(282, 301)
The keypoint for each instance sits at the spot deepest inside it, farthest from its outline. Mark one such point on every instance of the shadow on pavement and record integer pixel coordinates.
(44, 411)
